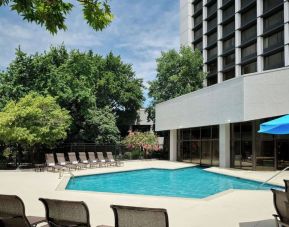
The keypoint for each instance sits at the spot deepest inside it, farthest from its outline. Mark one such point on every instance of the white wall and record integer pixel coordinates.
(244, 98)
(186, 22)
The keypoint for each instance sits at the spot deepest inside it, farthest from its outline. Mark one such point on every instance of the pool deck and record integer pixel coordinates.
(233, 208)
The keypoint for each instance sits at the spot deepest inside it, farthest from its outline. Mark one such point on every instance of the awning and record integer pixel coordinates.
(279, 126)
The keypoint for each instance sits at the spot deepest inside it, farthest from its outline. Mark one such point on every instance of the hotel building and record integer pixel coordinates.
(245, 48)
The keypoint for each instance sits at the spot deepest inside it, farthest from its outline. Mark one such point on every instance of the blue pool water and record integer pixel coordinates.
(188, 182)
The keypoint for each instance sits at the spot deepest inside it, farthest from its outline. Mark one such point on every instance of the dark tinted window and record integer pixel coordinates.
(198, 6)
(212, 8)
(274, 20)
(212, 80)
(277, 39)
(199, 45)
(249, 16)
(228, 12)
(269, 4)
(228, 75)
(249, 51)
(212, 52)
(228, 28)
(212, 68)
(229, 60)
(228, 44)
(198, 33)
(274, 61)
(249, 33)
(198, 19)
(212, 23)
(249, 68)
(212, 38)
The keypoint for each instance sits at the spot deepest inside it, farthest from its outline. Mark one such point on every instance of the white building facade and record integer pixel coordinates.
(245, 47)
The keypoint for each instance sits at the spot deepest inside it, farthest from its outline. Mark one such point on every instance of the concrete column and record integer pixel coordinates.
(286, 32)
(224, 145)
(237, 39)
(259, 36)
(220, 43)
(173, 145)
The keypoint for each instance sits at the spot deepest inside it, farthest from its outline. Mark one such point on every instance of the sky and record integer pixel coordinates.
(140, 31)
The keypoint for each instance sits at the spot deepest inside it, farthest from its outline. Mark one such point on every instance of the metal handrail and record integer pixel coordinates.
(275, 175)
(61, 173)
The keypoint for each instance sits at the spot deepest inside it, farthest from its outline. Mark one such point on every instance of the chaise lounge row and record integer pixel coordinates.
(61, 213)
(83, 162)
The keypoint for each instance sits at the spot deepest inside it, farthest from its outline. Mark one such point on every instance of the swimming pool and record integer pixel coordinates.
(193, 182)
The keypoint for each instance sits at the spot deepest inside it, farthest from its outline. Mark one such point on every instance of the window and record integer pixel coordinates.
(212, 68)
(249, 33)
(212, 52)
(198, 33)
(212, 38)
(269, 4)
(277, 39)
(212, 80)
(274, 21)
(249, 68)
(228, 44)
(228, 12)
(249, 51)
(274, 61)
(199, 46)
(228, 28)
(212, 23)
(249, 16)
(198, 6)
(228, 75)
(244, 3)
(198, 20)
(229, 60)
(211, 9)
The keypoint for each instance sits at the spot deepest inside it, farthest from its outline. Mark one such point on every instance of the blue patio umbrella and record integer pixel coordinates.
(279, 126)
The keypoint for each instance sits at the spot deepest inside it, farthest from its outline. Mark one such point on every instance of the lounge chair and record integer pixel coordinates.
(286, 185)
(61, 213)
(102, 160)
(73, 160)
(12, 213)
(83, 159)
(282, 207)
(62, 162)
(92, 160)
(110, 159)
(50, 162)
(126, 216)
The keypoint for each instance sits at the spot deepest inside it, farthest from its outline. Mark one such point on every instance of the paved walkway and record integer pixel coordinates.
(234, 208)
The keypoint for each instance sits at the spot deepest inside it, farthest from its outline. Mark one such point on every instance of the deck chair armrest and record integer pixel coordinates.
(279, 222)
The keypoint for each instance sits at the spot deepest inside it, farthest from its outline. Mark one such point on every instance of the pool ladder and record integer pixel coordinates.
(275, 175)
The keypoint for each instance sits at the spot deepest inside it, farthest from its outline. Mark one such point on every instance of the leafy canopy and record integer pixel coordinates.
(34, 120)
(81, 82)
(178, 73)
(52, 13)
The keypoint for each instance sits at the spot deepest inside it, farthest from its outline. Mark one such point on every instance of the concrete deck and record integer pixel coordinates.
(233, 208)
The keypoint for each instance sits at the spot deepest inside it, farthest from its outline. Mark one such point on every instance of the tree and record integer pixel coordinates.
(80, 82)
(52, 13)
(142, 141)
(33, 121)
(178, 73)
(101, 126)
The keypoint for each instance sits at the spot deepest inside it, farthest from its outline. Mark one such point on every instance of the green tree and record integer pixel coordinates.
(33, 121)
(52, 13)
(80, 81)
(101, 126)
(178, 73)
